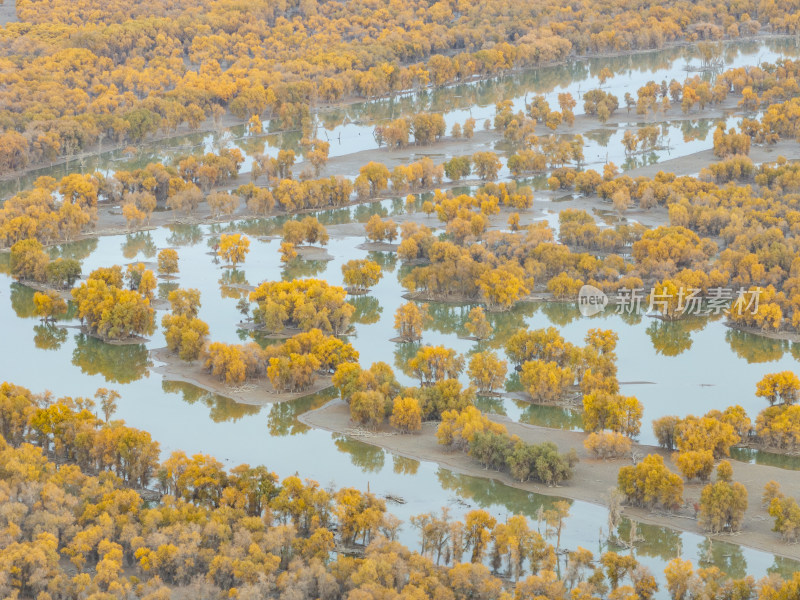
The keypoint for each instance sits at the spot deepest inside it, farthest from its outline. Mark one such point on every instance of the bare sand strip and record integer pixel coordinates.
(593, 478)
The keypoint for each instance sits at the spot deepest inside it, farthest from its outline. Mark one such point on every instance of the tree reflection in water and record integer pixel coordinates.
(557, 417)
(491, 404)
(184, 235)
(488, 492)
(671, 338)
(77, 250)
(117, 363)
(654, 541)
(222, 409)
(49, 337)
(368, 309)
(755, 348)
(369, 459)
(282, 419)
(136, 243)
(404, 466)
(299, 268)
(22, 300)
(232, 284)
(727, 557)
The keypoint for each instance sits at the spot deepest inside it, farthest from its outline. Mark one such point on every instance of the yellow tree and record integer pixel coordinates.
(409, 321)
(377, 176)
(360, 275)
(49, 305)
(233, 248)
(695, 464)
(435, 363)
(546, 381)
(28, 260)
(167, 262)
(780, 387)
(406, 414)
(651, 483)
(478, 526)
(486, 371)
(486, 165)
(108, 401)
(501, 288)
(185, 335)
(368, 407)
(603, 410)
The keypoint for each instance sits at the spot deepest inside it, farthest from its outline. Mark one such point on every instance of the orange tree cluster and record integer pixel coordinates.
(56, 211)
(720, 236)
(111, 311)
(28, 261)
(374, 393)
(500, 268)
(302, 304)
(77, 75)
(290, 367)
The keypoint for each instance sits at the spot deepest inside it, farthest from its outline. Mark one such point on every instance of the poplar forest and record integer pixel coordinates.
(337, 300)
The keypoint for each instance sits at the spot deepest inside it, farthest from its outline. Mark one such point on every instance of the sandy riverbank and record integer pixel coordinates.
(256, 393)
(593, 478)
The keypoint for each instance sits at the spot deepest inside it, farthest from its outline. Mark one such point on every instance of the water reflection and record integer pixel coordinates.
(165, 288)
(78, 250)
(761, 457)
(671, 338)
(137, 243)
(369, 459)
(448, 318)
(402, 354)
(221, 408)
(387, 260)
(22, 300)
(184, 235)
(49, 337)
(601, 136)
(404, 466)
(654, 541)
(368, 309)
(755, 348)
(300, 268)
(561, 313)
(363, 212)
(491, 404)
(558, 417)
(233, 284)
(727, 557)
(785, 567)
(697, 130)
(117, 363)
(488, 492)
(282, 419)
